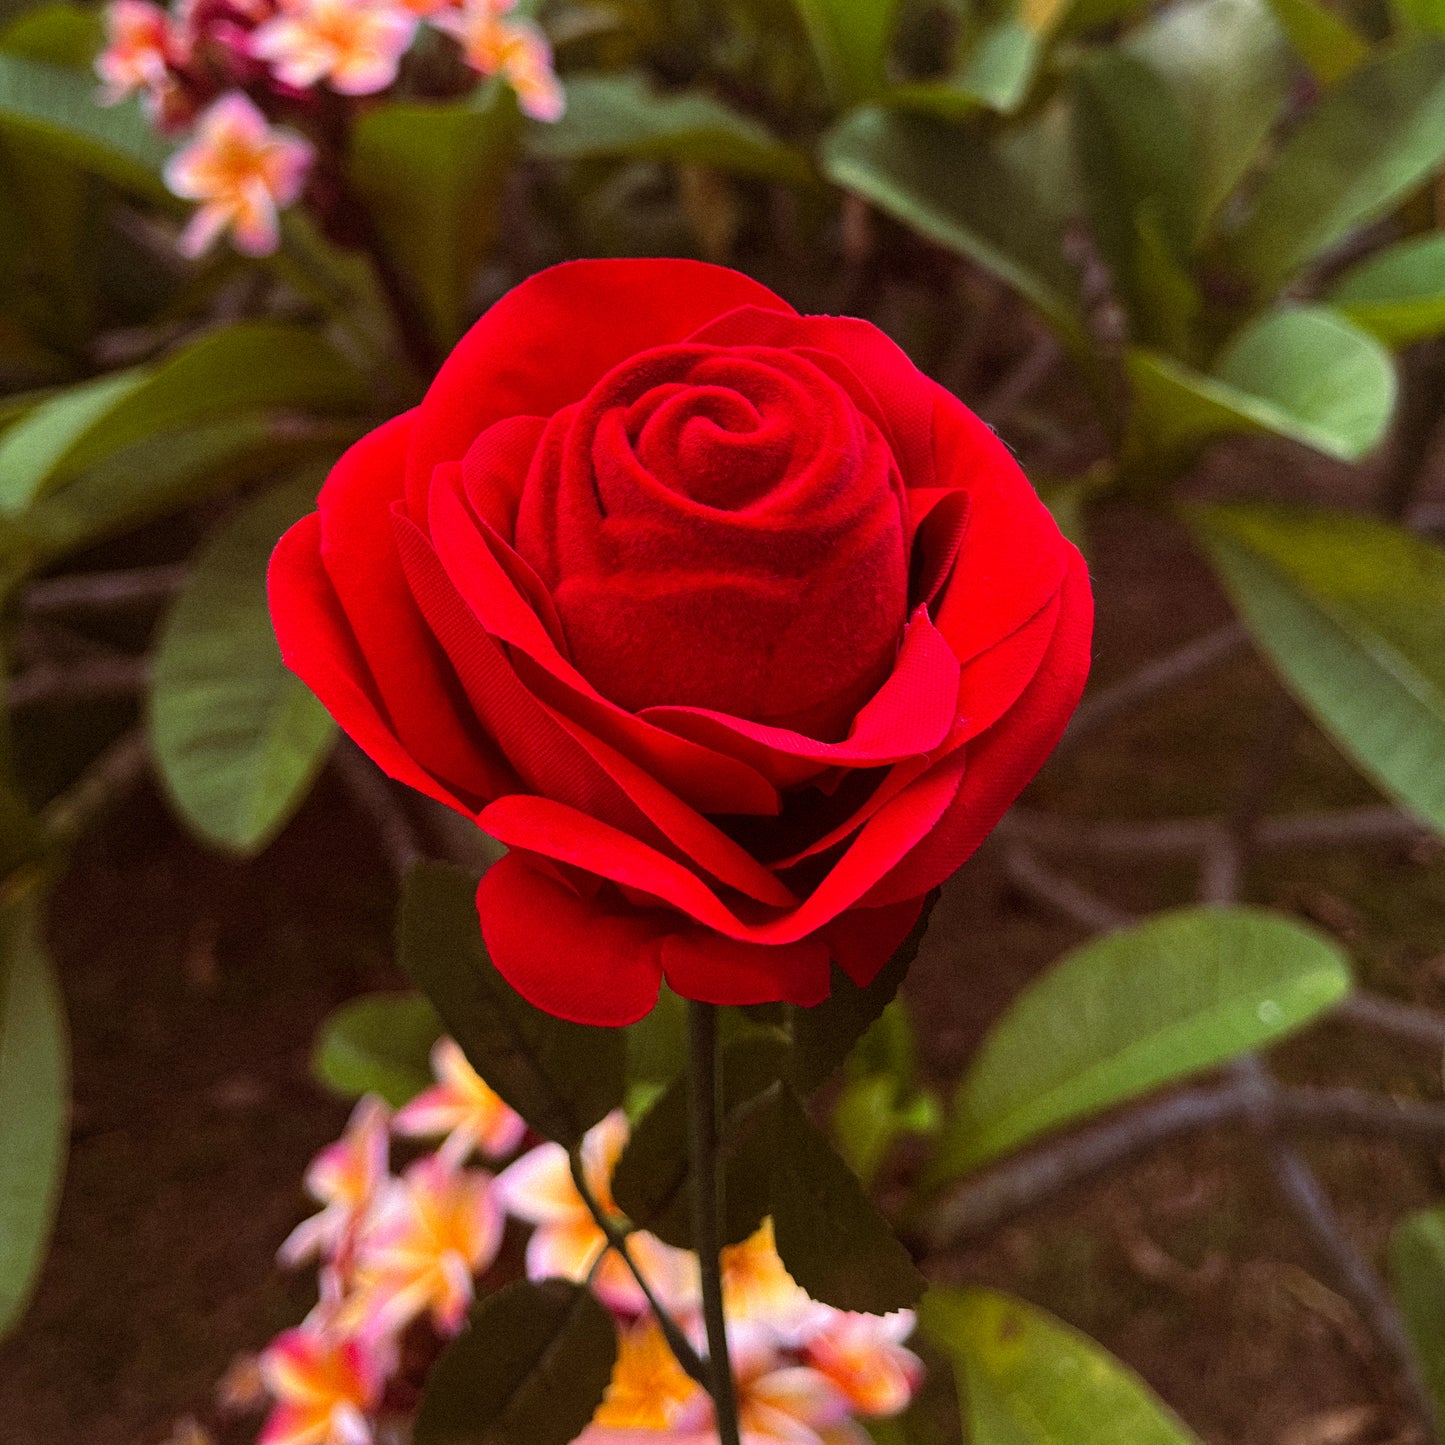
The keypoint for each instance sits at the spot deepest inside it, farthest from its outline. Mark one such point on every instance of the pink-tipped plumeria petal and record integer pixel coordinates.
(429, 1235)
(139, 47)
(346, 1178)
(757, 1289)
(462, 1107)
(325, 1388)
(864, 1356)
(242, 171)
(517, 50)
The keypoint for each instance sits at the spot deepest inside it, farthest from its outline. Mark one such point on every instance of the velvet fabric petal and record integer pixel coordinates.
(548, 340)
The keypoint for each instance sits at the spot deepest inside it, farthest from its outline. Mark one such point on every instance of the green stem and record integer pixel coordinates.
(677, 1342)
(706, 1208)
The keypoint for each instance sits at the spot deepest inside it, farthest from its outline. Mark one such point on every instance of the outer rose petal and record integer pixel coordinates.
(1005, 758)
(529, 355)
(569, 955)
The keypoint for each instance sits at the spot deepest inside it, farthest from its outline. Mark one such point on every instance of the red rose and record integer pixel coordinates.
(739, 631)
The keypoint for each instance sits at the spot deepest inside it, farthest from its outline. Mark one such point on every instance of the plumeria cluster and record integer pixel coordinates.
(402, 1256)
(224, 72)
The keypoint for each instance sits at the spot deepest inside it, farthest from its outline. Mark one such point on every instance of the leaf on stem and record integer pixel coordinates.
(238, 738)
(652, 1183)
(1417, 1280)
(1398, 294)
(34, 1102)
(531, 1368)
(1351, 612)
(560, 1077)
(1025, 1378)
(1129, 1012)
(830, 1235)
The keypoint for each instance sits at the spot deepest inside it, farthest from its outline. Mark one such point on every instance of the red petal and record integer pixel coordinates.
(572, 957)
(712, 969)
(864, 939)
(547, 341)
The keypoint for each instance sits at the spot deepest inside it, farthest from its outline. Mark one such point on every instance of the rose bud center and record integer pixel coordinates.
(723, 528)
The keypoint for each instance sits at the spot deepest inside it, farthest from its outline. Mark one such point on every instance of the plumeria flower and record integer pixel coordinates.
(345, 1177)
(139, 47)
(462, 1107)
(648, 1387)
(517, 50)
(864, 1356)
(428, 1235)
(242, 171)
(757, 1288)
(779, 1403)
(354, 45)
(325, 1387)
(567, 1242)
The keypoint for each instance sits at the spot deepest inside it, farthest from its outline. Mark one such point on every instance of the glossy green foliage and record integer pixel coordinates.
(850, 42)
(1398, 294)
(237, 737)
(1304, 372)
(1127, 1013)
(431, 176)
(1024, 1378)
(1372, 138)
(378, 1044)
(34, 1102)
(1351, 612)
(1417, 1280)
(622, 115)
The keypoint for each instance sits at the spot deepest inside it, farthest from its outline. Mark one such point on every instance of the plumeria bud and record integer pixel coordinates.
(354, 45)
(325, 1388)
(242, 171)
(517, 50)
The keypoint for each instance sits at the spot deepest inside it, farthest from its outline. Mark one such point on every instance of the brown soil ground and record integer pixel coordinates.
(195, 985)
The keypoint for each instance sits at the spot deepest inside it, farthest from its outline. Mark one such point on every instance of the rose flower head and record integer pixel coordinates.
(735, 628)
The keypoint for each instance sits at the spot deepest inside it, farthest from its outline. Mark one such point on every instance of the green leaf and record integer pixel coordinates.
(56, 107)
(830, 1236)
(869, 1116)
(530, 1369)
(162, 475)
(1025, 1378)
(1328, 45)
(953, 189)
(1304, 373)
(1423, 14)
(34, 1103)
(237, 737)
(1369, 142)
(652, 1183)
(1136, 159)
(248, 367)
(1417, 1279)
(823, 1035)
(851, 43)
(1398, 294)
(560, 1077)
(622, 115)
(1351, 612)
(1127, 1013)
(431, 175)
(379, 1044)
(60, 34)
(1227, 64)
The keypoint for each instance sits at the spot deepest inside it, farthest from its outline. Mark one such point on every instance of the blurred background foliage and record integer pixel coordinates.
(1189, 256)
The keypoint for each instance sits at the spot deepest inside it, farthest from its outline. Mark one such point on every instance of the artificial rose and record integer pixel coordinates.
(739, 631)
